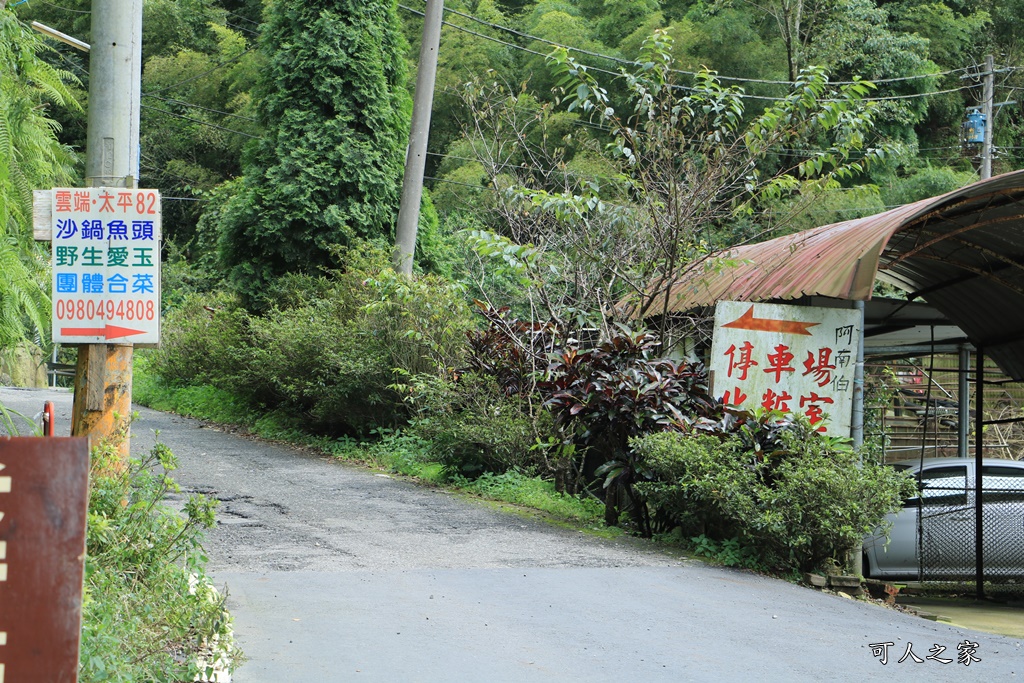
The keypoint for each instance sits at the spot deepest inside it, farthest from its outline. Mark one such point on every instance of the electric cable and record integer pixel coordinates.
(197, 106)
(680, 71)
(205, 73)
(200, 121)
(742, 95)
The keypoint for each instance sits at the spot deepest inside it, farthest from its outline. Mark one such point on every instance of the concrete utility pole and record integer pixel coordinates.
(416, 155)
(103, 376)
(987, 96)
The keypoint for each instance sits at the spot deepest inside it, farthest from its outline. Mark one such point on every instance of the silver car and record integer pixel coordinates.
(932, 537)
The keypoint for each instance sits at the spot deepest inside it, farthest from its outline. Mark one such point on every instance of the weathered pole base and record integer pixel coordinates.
(103, 396)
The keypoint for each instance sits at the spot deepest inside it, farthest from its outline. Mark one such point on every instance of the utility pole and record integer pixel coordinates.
(987, 96)
(103, 375)
(416, 155)
(857, 424)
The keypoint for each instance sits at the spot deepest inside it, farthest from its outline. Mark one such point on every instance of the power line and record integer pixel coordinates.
(66, 9)
(915, 96)
(845, 209)
(163, 171)
(742, 95)
(205, 73)
(242, 28)
(196, 106)
(235, 14)
(200, 121)
(502, 42)
(688, 73)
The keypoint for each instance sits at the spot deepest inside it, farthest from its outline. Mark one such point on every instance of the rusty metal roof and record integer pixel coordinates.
(962, 252)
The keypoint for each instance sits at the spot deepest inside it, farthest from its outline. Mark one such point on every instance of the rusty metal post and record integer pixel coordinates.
(103, 389)
(44, 495)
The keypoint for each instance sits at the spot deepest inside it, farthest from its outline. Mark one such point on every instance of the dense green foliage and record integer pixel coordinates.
(149, 611)
(31, 156)
(473, 427)
(603, 397)
(583, 154)
(805, 505)
(329, 349)
(328, 167)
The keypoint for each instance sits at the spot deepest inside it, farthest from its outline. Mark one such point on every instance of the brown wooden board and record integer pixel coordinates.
(43, 502)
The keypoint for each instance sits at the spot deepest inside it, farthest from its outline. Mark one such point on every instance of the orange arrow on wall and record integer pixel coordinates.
(747, 321)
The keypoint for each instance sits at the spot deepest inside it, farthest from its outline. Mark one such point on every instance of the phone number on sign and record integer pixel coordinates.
(87, 309)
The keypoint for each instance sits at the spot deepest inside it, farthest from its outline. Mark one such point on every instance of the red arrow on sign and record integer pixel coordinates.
(747, 321)
(108, 332)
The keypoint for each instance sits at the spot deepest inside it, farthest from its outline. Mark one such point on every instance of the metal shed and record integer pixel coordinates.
(962, 252)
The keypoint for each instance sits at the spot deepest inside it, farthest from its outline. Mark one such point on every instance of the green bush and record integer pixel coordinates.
(329, 349)
(924, 183)
(201, 341)
(605, 396)
(805, 505)
(474, 428)
(149, 612)
(313, 362)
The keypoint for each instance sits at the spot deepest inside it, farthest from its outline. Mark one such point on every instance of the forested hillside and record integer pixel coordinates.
(584, 156)
(210, 95)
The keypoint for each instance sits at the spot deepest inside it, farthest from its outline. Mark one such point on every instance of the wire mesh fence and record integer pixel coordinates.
(947, 523)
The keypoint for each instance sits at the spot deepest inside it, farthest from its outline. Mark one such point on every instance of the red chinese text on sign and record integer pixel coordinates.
(776, 356)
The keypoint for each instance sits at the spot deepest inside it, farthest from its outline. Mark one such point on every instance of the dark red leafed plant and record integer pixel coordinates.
(512, 351)
(603, 397)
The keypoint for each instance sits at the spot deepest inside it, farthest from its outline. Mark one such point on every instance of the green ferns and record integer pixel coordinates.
(30, 158)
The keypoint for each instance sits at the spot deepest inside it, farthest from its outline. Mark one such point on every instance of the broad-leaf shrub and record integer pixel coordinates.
(149, 612)
(474, 427)
(329, 349)
(200, 341)
(807, 504)
(514, 352)
(486, 417)
(605, 396)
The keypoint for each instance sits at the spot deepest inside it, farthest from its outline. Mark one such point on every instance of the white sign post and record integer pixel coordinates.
(106, 265)
(794, 359)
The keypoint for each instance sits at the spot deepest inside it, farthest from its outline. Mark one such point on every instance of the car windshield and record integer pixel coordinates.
(942, 485)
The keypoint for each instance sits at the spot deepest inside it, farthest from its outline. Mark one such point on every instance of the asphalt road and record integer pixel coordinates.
(336, 573)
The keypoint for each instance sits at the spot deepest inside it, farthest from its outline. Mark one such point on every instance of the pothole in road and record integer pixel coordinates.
(233, 520)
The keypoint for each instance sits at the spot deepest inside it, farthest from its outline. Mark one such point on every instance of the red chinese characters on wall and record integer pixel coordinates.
(804, 368)
(777, 363)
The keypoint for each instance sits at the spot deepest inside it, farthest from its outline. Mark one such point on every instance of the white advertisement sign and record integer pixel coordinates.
(794, 359)
(106, 265)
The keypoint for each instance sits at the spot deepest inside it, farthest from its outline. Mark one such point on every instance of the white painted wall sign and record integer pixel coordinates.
(794, 359)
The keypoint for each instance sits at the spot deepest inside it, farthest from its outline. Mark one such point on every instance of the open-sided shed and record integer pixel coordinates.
(961, 252)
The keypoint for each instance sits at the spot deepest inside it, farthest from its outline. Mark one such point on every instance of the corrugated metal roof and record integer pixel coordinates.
(962, 252)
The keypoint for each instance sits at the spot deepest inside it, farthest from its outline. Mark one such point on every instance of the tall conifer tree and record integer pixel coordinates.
(329, 168)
